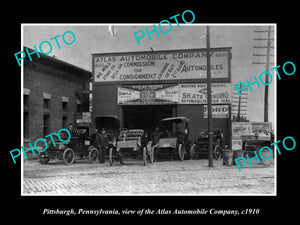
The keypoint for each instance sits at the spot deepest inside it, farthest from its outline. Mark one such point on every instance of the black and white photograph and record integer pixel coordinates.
(148, 109)
(127, 113)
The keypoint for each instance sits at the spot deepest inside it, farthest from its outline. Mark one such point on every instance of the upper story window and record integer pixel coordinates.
(65, 101)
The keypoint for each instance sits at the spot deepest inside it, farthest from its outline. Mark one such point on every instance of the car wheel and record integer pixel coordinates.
(43, 158)
(151, 154)
(217, 152)
(110, 156)
(145, 156)
(93, 155)
(193, 152)
(68, 156)
(180, 152)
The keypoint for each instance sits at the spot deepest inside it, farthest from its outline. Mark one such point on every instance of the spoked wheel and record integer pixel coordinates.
(145, 156)
(68, 156)
(93, 155)
(181, 152)
(43, 158)
(217, 152)
(151, 153)
(110, 156)
(121, 160)
(193, 152)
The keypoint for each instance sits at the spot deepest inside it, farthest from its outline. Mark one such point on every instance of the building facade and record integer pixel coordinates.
(54, 93)
(141, 88)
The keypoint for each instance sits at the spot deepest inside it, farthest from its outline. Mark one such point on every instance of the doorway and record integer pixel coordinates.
(146, 117)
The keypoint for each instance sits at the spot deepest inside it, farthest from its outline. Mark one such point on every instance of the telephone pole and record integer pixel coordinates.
(267, 64)
(210, 150)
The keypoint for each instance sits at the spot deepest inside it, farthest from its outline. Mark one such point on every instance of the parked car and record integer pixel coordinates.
(129, 145)
(199, 149)
(122, 142)
(80, 146)
(174, 138)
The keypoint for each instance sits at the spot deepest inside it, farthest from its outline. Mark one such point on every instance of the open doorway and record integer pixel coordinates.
(146, 117)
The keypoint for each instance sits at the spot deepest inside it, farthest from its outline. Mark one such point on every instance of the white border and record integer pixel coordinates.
(149, 24)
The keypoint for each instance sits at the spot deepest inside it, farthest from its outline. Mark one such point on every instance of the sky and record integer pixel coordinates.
(97, 38)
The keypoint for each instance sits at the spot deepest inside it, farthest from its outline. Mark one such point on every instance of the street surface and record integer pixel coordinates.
(160, 178)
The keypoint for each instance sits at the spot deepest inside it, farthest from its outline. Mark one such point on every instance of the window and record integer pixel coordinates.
(64, 121)
(26, 101)
(46, 124)
(26, 125)
(46, 104)
(78, 105)
(64, 106)
(26, 93)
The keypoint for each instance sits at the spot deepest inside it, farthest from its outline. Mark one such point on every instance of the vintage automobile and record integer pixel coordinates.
(129, 145)
(174, 138)
(200, 148)
(80, 145)
(122, 143)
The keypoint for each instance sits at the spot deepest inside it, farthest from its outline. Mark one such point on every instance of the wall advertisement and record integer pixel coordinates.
(148, 94)
(262, 130)
(175, 94)
(160, 65)
(196, 93)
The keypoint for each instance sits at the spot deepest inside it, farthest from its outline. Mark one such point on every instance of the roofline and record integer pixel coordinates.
(59, 61)
(162, 51)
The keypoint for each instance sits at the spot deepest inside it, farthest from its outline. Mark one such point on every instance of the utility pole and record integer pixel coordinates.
(239, 103)
(209, 115)
(267, 63)
(239, 107)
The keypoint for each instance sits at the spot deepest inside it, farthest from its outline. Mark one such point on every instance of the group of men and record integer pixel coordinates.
(102, 140)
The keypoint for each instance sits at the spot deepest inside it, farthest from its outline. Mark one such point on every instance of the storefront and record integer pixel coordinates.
(141, 88)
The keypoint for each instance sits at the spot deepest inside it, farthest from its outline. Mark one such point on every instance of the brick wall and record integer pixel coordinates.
(105, 101)
(40, 78)
(198, 123)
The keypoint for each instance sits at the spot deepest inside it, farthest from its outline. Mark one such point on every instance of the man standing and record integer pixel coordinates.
(155, 137)
(102, 143)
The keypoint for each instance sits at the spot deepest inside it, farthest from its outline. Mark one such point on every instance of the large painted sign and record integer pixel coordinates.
(160, 65)
(197, 93)
(243, 129)
(148, 94)
(194, 93)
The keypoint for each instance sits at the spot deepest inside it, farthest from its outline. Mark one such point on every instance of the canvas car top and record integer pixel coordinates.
(178, 119)
(108, 122)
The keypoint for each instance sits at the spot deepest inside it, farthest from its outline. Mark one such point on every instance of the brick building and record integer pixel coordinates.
(54, 93)
(141, 88)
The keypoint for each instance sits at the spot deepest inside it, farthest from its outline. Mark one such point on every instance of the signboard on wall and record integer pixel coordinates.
(218, 111)
(240, 128)
(148, 94)
(243, 129)
(160, 65)
(196, 93)
(262, 129)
